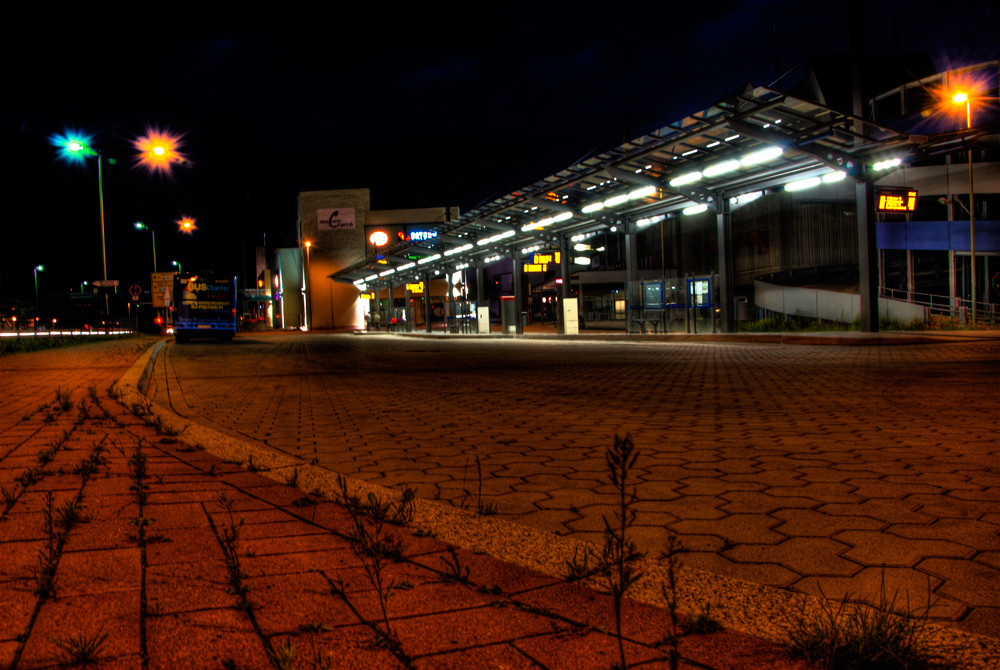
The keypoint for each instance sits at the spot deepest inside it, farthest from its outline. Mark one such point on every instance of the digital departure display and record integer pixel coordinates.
(896, 200)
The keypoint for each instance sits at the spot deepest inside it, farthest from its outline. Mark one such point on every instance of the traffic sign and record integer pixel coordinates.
(135, 290)
(105, 283)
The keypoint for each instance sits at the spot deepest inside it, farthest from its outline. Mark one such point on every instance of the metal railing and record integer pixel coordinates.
(943, 305)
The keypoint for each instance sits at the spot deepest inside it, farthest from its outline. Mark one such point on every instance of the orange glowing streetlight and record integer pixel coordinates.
(158, 150)
(959, 98)
(186, 225)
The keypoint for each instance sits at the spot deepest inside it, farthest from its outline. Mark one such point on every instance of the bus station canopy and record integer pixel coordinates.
(754, 141)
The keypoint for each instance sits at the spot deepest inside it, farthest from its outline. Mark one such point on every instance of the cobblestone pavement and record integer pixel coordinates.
(829, 470)
(126, 546)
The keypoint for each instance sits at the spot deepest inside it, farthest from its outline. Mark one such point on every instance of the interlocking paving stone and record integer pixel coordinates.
(814, 440)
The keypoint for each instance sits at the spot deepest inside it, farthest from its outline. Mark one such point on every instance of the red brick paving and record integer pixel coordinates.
(148, 576)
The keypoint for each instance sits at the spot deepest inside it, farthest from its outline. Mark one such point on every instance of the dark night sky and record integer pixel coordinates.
(423, 106)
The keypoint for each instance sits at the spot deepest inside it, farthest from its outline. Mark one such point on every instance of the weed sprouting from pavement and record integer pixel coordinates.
(92, 392)
(454, 570)
(48, 557)
(373, 549)
(619, 556)
(669, 590)
(283, 655)
(228, 539)
(845, 635)
(398, 512)
(579, 568)
(136, 464)
(64, 400)
(9, 497)
(81, 649)
(319, 660)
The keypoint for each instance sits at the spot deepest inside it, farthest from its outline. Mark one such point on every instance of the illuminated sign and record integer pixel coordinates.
(367, 296)
(415, 288)
(896, 200)
(540, 262)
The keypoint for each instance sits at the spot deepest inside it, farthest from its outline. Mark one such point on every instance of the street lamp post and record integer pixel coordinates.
(82, 284)
(77, 148)
(959, 98)
(139, 225)
(178, 266)
(37, 269)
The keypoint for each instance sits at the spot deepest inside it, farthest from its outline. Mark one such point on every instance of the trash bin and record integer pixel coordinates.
(742, 308)
(522, 322)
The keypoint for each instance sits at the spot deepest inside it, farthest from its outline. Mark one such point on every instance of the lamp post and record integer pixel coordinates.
(139, 225)
(959, 98)
(178, 266)
(37, 269)
(77, 148)
(82, 284)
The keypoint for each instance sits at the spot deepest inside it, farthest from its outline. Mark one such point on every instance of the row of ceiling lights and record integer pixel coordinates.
(754, 158)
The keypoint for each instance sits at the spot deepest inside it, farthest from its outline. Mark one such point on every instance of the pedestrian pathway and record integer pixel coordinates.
(159, 543)
(129, 546)
(819, 469)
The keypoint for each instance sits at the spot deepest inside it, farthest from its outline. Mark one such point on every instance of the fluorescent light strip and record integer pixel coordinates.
(721, 168)
(642, 192)
(457, 250)
(687, 178)
(803, 184)
(761, 156)
(429, 259)
(834, 177)
(694, 209)
(496, 238)
(405, 266)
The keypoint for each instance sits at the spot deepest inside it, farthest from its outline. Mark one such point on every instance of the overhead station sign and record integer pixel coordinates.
(896, 200)
(540, 262)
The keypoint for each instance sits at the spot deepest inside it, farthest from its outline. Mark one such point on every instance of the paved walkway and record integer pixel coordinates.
(821, 469)
(117, 536)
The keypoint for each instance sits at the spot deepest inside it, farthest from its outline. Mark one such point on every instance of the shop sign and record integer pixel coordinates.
(341, 218)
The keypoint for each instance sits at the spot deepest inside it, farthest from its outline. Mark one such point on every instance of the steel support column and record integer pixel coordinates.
(632, 302)
(723, 226)
(427, 302)
(518, 291)
(867, 256)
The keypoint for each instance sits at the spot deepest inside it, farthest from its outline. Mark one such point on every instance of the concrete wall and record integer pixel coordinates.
(828, 305)
(338, 241)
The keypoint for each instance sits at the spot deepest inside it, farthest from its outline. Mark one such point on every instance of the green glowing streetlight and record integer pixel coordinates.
(75, 147)
(178, 266)
(139, 225)
(37, 269)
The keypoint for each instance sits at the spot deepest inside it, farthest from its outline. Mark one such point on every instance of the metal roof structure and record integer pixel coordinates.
(751, 141)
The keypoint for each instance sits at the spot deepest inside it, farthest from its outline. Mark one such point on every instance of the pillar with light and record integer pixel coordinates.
(379, 238)
(306, 285)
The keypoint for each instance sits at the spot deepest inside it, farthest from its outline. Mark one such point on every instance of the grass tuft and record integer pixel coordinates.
(82, 650)
(858, 637)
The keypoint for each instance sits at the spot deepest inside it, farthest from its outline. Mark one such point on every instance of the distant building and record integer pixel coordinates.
(334, 228)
